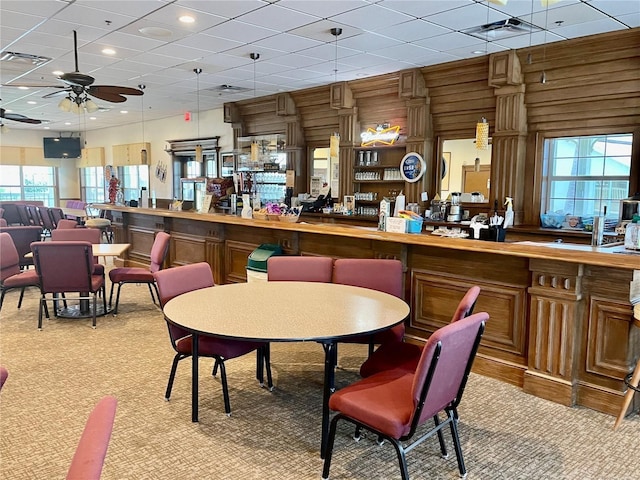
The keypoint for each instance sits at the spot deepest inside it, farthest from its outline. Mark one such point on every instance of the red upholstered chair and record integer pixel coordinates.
(22, 237)
(10, 274)
(65, 223)
(178, 280)
(3, 376)
(91, 451)
(123, 275)
(3, 222)
(67, 267)
(300, 269)
(394, 403)
(377, 274)
(25, 218)
(47, 223)
(92, 235)
(56, 215)
(396, 354)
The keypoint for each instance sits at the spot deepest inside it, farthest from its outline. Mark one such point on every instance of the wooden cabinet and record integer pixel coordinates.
(376, 174)
(91, 157)
(131, 154)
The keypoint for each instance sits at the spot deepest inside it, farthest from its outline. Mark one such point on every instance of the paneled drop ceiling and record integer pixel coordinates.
(152, 47)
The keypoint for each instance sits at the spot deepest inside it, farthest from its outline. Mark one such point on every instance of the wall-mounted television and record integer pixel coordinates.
(62, 147)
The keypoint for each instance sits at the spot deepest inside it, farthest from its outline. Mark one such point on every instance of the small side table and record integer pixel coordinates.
(633, 379)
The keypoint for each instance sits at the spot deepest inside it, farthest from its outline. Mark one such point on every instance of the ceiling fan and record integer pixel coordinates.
(17, 117)
(79, 86)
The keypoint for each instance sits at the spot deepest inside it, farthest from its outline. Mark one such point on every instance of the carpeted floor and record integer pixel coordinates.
(57, 375)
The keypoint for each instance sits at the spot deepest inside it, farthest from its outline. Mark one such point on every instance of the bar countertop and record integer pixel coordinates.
(613, 255)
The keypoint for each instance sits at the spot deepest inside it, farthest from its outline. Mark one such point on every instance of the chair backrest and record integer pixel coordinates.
(64, 266)
(4, 373)
(444, 367)
(9, 259)
(1, 212)
(384, 275)
(465, 307)
(301, 269)
(159, 251)
(34, 215)
(45, 218)
(66, 223)
(56, 214)
(25, 219)
(175, 281)
(3, 222)
(92, 235)
(22, 237)
(91, 451)
(11, 213)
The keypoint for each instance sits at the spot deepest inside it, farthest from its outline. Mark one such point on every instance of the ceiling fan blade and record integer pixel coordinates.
(18, 118)
(77, 78)
(58, 93)
(107, 96)
(114, 90)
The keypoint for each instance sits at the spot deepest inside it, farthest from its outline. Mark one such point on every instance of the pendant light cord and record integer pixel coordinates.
(336, 32)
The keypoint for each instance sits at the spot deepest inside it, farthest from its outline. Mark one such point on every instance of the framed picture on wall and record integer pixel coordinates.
(446, 167)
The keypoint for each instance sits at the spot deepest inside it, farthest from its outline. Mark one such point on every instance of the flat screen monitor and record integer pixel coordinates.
(59, 147)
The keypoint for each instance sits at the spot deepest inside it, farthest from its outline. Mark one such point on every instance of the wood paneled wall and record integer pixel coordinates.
(592, 86)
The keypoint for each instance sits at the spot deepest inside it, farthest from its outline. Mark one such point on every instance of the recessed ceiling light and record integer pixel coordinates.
(8, 110)
(67, 123)
(108, 51)
(58, 72)
(187, 19)
(92, 118)
(124, 111)
(32, 102)
(155, 32)
(23, 88)
(47, 128)
(478, 52)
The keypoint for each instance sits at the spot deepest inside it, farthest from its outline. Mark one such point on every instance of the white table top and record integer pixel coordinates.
(75, 212)
(286, 311)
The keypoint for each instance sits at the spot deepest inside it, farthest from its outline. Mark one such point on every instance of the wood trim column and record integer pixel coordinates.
(554, 324)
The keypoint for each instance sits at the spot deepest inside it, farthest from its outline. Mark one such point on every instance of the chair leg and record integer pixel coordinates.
(115, 309)
(402, 459)
(634, 381)
(329, 447)
(172, 375)
(21, 297)
(104, 297)
(157, 299)
(95, 304)
(43, 299)
(214, 372)
(2, 298)
(456, 445)
(153, 298)
(443, 447)
(225, 388)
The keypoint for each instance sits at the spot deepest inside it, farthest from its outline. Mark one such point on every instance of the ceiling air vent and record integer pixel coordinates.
(512, 27)
(227, 89)
(23, 58)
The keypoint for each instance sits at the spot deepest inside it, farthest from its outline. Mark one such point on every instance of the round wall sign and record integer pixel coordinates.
(412, 167)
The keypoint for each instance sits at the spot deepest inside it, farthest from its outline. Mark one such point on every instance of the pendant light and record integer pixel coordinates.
(143, 151)
(198, 71)
(482, 134)
(255, 147)
(336, 32)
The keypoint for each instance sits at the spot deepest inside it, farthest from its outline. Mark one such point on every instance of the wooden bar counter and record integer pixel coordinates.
(561, 323)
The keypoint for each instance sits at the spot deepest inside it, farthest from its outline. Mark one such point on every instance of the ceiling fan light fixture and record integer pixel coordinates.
(75, 108)
(91, 106)
(65, 104)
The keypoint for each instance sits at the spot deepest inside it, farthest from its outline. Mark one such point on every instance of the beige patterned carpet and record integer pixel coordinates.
(57, 375)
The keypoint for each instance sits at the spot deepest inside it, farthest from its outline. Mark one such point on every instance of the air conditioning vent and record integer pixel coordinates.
(512, 27)
(227, 89)
(24, 58)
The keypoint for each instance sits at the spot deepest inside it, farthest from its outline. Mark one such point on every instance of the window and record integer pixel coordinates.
(28, 183)
(92, 184)
(585, 175)
(132, 179)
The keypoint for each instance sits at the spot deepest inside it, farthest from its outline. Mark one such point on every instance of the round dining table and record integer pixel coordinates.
(285, 312)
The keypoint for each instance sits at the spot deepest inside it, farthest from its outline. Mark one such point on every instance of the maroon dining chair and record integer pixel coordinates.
(396, 354)
(56, 215)
(299, 268)
(65, 224)
(22, 237)
(45, 220)
(186, 278)
(384, 275)
(4, 374)
(394, 403)
(11, 276)
(92, 235)
(65, 267)
(91, 451)
(123, 275)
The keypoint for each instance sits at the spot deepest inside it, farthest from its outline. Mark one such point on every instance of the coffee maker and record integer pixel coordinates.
(455, 209)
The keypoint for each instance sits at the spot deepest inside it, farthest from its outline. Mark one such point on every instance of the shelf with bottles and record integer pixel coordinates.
(256, 151)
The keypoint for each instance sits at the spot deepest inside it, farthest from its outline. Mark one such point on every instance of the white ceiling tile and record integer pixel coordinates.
(208, 43)
(467, 17)
(588, 28)
(366, 42)
(170, 14)
(225, 9)
(277, 18)
(286, 42)
(239, 31)
(413, 30)
(422, 9)
(371, 17)
(323, 8)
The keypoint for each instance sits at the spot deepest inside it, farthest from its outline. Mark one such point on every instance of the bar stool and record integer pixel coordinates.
(633, 379)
